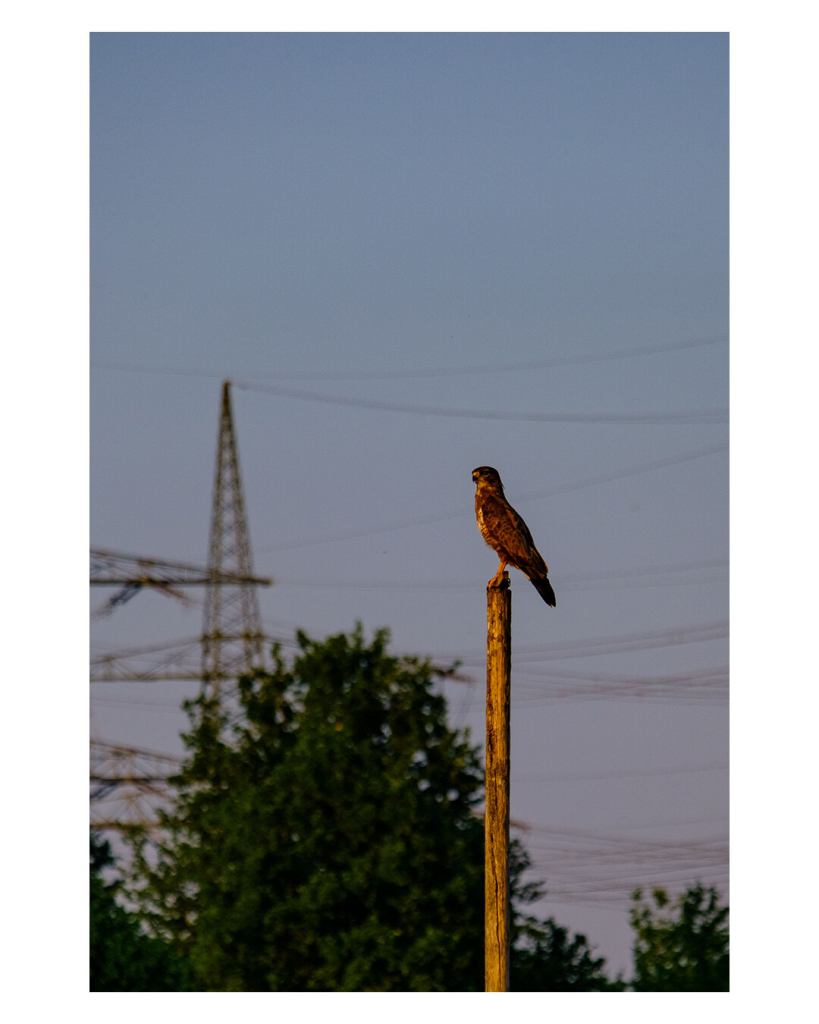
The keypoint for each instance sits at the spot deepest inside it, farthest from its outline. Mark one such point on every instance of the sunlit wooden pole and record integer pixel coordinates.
(496, 843)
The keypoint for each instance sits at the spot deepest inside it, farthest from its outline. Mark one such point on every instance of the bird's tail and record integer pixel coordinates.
(544, 588)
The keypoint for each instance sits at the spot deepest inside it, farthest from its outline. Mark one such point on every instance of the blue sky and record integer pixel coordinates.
(496, 225)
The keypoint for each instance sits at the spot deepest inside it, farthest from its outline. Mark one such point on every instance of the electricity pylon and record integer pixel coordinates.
(232, 638)
(152, 663)
(231, 644)
(128, 785)
(232, 641)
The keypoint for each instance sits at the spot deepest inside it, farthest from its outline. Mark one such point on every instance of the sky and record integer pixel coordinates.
(413, 254)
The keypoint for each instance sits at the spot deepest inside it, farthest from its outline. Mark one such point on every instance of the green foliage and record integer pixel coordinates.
(327, 840)
(550, 960)
(330, 844)
(123, 958)
(685, 951)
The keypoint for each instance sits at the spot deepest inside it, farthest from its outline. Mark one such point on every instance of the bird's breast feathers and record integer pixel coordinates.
(486, 522)
(492, 515)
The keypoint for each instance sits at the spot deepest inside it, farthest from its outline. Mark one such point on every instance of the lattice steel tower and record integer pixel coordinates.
(232, 638)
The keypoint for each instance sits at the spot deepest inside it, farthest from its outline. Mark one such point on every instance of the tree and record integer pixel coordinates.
(683, 952)
(123, 958)
(327, 839)
(551, 960)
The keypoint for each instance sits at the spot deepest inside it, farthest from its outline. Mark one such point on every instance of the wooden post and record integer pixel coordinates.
(496, 843)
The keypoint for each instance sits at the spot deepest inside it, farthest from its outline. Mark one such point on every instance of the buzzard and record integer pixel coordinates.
(504, 530)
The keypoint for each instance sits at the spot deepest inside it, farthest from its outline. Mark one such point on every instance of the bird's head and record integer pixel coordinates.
(487, 476)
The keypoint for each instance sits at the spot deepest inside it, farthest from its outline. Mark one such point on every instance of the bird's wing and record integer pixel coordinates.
(512, 534)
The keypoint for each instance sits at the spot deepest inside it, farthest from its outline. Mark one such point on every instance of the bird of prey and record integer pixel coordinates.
(505, 531)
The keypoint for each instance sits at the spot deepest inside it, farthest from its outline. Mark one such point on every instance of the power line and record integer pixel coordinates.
(638, 641)
(604, 869)
(684, 417)
(173, 660)
(539, 364)
(649, 570)
(405, 524)
(547, 779)
(583, 581)
(122, 704)
(694, 695)
(706, 674)
(342, 375)
(541, 687)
